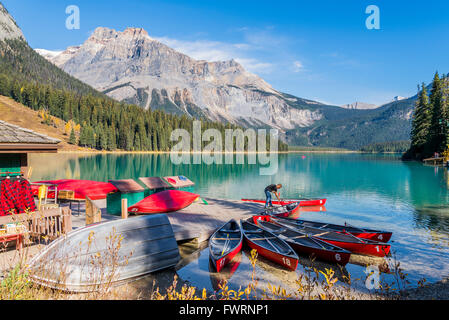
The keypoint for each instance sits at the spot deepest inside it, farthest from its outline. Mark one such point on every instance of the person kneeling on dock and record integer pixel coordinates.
(268, 190)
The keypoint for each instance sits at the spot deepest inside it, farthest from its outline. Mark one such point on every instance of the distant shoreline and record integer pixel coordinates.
(220, 152)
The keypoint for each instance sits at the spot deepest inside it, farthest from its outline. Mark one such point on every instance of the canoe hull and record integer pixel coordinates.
(106, 253)
(286, 261)
(289, 259)
(342, 240)
(362, 233)
(382, 236)
(225, 260)
(341, 258)
(338, 256)
(163, 202)
(284, 210)
(302, 202)
(370, 249)
(231, 228)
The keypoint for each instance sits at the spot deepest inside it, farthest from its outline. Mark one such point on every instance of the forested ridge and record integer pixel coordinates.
(381, 147)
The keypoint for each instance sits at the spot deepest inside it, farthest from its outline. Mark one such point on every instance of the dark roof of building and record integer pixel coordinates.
(10, 133)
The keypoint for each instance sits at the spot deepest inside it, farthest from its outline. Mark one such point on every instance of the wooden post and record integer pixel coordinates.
(67, 220)
(124, 208)
(93, 214)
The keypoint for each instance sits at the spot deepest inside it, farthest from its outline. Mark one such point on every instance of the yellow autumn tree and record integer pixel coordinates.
(68, 127)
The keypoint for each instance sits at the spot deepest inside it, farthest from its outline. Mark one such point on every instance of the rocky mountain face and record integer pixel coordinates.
(8, 26)
(131, 66)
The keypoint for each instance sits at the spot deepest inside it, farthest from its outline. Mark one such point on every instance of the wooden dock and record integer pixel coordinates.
(197, 222)
(435, 161)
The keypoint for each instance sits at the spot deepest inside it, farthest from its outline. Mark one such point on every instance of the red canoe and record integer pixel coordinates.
(342, 240)
(363, 233)
(93, 189)
(304, 244)
(302, 202)
(284, 210)
(164, 201)
(225, 243)
(269, 246)
(218, 279)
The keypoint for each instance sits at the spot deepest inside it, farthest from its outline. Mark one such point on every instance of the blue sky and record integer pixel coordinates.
(318, 49)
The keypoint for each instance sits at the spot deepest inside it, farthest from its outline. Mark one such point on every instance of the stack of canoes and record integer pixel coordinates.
(363, 233)
(343, 238)
(281, 239)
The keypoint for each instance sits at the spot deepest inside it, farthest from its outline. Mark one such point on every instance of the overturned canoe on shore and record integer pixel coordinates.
(104, 254)
(164, 201)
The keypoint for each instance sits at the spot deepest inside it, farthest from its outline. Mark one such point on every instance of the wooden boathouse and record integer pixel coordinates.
(15, 145)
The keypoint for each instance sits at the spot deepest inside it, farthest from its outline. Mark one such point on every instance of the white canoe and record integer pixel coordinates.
(106, 253)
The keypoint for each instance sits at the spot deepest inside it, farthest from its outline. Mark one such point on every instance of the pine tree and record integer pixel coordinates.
(445, 91)
(437, 136)
(72, 139)
(421, 121)
(90, 137)
(103, 139)
(112, 145)
(83, 136)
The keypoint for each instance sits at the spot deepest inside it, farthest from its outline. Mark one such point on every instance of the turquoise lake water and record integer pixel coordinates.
(374, 191)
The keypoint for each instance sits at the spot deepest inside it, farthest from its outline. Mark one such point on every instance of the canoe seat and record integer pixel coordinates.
(229, 231)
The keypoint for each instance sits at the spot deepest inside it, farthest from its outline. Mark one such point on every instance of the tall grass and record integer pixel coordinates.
(19, 281)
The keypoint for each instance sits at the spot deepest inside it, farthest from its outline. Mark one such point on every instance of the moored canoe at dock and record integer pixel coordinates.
(342, 240)
(269, 245)
(302, 202)
(164, 201)
(283, 210)
(106, 253)
(225, 244)
(304, 244)
(363, 233)
(218, 279)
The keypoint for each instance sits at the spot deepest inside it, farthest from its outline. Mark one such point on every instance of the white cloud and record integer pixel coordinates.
(219, 51)
(297, 66)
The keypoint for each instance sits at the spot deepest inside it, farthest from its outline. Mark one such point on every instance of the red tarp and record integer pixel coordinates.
(164, 201)
(93, 189)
